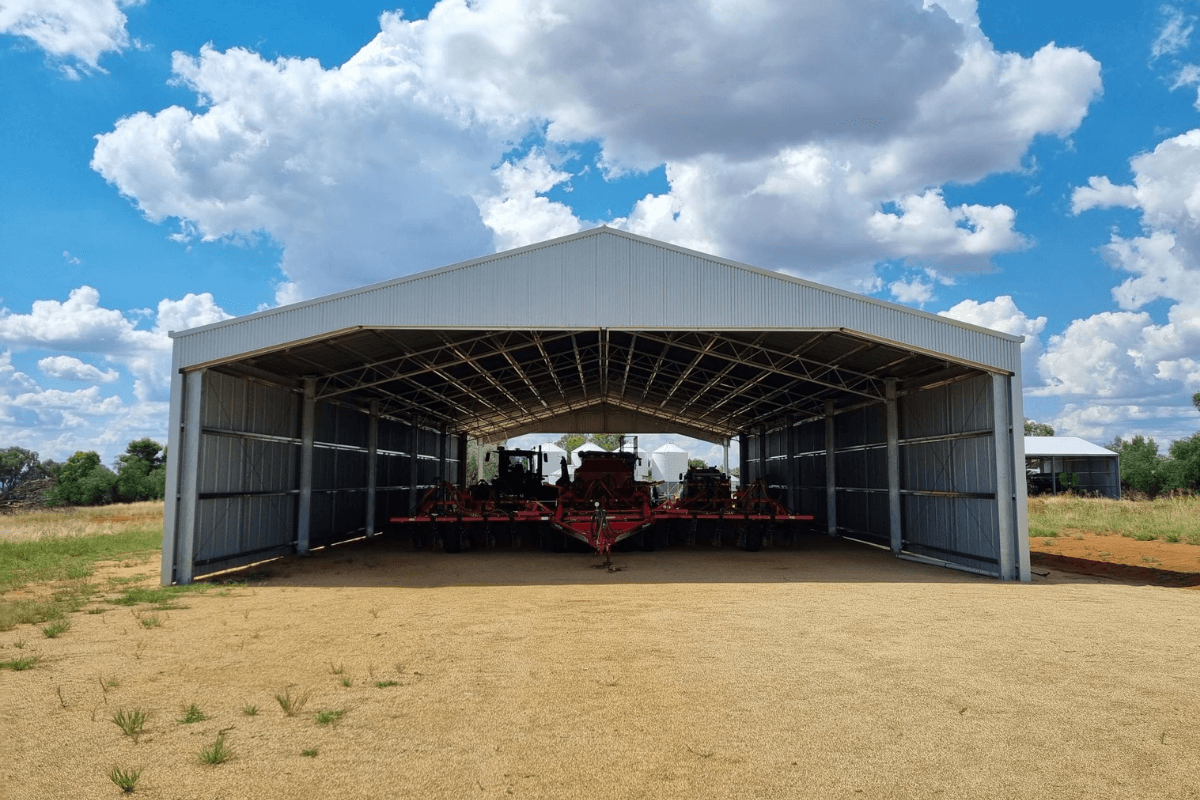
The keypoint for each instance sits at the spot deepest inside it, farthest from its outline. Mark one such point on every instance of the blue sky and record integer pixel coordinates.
(1029, 167)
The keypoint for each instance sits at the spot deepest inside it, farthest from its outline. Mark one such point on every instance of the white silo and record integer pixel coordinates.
(553, 462)
(669, 462)
(583, 448)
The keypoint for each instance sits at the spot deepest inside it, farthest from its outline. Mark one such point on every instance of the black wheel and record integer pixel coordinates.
(454, 540)
(648, 540)
(754, 537)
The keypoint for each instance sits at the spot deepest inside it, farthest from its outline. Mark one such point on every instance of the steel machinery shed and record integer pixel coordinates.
(314, 423)
(1093, 469)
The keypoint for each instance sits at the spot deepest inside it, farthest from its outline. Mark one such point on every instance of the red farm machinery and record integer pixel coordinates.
(599, 507)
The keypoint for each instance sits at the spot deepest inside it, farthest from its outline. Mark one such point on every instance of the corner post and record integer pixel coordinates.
(189, 477)
(1001, 406)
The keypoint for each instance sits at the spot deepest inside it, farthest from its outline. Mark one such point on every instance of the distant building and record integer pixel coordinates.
(1056, 463)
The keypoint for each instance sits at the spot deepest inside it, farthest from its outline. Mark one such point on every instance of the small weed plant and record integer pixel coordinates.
(19, 664)
(309, 753)
(250, 711)
(338, 670)
(132, 723)
(56, 629)
(332, 717)
(151, 621)
(192, 713)
(386, 684)
(125, 779)
(293, 704)
(346, 682)
(216, 753)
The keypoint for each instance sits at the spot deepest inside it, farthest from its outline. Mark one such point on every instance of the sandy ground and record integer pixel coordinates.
(832, 671)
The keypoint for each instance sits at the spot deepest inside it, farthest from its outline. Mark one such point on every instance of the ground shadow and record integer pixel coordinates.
(390, 561)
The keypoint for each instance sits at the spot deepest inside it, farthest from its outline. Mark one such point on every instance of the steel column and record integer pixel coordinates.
(462, 461)
(189, 477)
(1020, 489)
(308, 426)
(174, 450)
(725, 456)
(372, 453)
(743, 459)
(830, 472)
(443, 446)
(413, 445)
(1004, 482)
(893, 466)
(793, 480)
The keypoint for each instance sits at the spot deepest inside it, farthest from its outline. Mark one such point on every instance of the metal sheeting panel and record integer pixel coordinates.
(947, 472)
(247, 482)
(604, 279)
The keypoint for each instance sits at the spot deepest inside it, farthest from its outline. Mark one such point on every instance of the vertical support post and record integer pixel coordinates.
(462, 461)
(414, 438)
(372, 454)
(308, 428)
(830, 472)
(725, 457)
(479, 462)
(174, 450)
(1021, 532)
(793, 480)
(743, 459)
(189, 477)
(1004, 483)
(762, 453)
(893, 465)
(442, 448)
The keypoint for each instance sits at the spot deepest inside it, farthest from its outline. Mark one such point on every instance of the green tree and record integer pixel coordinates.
(697, 463)
(1034, 428)
(18, 466)
(83, 481)
(141, 472)
(1141, 466)
(570, 441)
(1182, 469)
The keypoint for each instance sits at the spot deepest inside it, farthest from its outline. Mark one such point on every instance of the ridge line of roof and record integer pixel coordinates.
(591, 232)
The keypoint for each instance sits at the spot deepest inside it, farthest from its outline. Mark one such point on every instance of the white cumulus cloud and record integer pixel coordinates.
(74, 32)
(72, 369)
(57, 422)
(806, 136)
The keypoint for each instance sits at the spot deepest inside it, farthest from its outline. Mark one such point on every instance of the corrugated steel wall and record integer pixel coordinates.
(947, 472)
(249, 467)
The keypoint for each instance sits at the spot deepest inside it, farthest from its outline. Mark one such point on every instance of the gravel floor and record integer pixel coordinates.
(831, 671)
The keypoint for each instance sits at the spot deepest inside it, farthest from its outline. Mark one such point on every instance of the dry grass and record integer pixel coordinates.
(1172, 519)
(71, 522)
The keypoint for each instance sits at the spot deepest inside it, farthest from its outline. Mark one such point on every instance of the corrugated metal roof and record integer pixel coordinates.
(1044, 446)
(603, 278)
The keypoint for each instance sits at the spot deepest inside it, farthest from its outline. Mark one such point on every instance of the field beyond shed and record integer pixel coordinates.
(692, 673)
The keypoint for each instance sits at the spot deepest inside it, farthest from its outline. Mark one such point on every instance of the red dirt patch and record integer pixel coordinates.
(1111, 556)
